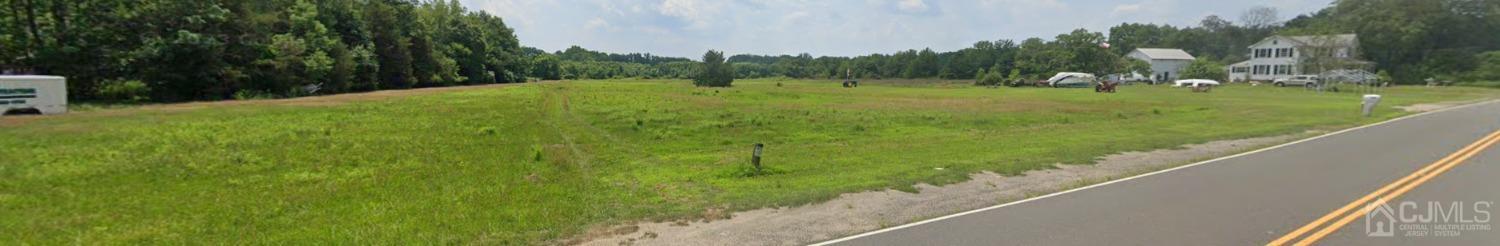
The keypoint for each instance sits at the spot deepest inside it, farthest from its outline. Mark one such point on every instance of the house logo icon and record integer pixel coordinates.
(1381, 221)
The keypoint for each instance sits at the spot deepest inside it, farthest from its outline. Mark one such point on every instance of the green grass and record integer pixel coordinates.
(541, 162)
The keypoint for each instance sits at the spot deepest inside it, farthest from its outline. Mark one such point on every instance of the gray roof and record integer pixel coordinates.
(1329, 40)
(30, 77)
(1165, 54)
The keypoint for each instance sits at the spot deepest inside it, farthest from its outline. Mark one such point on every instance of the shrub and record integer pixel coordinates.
(124, 91)
(992, 78)
(1204, 69)
(714, 72)
(979, 77)
(1488, 68)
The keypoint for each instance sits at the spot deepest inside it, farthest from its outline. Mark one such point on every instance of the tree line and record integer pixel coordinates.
(182, 50)
(1217, 40)
(1076, 51)
(1410, 39)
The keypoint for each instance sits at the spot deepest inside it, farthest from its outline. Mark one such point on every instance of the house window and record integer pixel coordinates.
(1284, 52)
(1262, 69)
(1240, 69)
(1283, 69)
(1262, 53)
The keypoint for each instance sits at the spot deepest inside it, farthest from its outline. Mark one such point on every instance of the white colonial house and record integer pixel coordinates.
(1165, 63)
(1278, 57)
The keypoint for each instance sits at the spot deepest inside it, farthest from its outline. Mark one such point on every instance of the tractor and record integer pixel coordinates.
(849, 81)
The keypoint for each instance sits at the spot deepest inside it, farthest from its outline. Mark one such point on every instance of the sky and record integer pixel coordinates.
(687, 28)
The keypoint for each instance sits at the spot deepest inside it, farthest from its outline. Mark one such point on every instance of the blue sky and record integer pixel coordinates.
(686, 28)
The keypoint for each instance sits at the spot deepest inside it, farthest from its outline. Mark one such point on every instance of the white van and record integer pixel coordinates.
(33, 94)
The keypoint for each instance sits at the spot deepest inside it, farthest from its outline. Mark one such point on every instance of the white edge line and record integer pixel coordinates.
(830, 242)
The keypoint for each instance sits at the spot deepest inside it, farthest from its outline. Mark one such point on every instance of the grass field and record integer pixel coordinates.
(534, 163)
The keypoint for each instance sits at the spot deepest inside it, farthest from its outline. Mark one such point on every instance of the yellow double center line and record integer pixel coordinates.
(1387, 193)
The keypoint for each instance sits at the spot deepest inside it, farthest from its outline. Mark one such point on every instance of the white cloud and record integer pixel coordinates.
(795, 18)
(691, 11)
(596, 23)
(1124, 9)
(913, 6)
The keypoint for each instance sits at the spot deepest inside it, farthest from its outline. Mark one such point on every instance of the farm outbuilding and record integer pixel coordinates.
(1165, 63)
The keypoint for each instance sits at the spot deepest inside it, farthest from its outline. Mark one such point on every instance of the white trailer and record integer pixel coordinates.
(33, 94)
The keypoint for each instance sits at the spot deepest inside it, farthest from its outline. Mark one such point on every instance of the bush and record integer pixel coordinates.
(1488, 68)
(124, 91)
(992, 78)
(714, 72)
(1204, 69)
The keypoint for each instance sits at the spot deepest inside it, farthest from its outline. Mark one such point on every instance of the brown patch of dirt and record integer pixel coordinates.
(13, 121)
(603, 232)
(865, 211)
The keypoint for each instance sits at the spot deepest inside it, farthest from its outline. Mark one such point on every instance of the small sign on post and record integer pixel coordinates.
(755, 158)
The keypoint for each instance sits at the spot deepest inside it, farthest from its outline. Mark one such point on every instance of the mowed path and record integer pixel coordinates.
(1265, 197)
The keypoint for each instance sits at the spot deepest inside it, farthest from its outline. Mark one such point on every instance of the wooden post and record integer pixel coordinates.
(755, 158)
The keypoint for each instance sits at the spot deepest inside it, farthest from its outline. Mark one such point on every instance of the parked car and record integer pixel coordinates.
(1299, 80)
(1194, 83)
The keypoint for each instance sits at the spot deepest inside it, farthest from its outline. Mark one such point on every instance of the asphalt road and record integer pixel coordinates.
(1259, 197)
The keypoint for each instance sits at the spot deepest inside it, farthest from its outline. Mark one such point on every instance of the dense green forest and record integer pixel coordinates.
(177, 50)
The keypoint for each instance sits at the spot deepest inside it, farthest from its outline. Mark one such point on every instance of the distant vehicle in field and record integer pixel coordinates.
(1195, 83)
(33, 94)
(1106, 86)
(1071, 80)
(1135, 77)
(849, 81)
(1299, 80)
